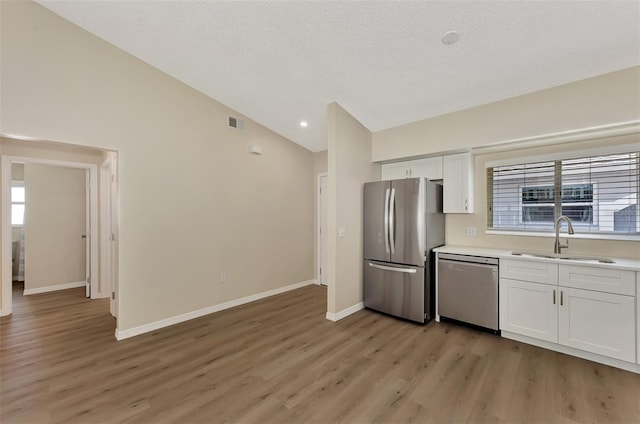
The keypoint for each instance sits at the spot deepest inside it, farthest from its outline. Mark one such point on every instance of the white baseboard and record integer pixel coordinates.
(65, 286)
(345, 312)
(629, 366)
(152, 326)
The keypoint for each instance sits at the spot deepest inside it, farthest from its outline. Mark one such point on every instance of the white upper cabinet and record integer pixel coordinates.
(455, 171)
(395, 171)
(430, 168)
(457, 182)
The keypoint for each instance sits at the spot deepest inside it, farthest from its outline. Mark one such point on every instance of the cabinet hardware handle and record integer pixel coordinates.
(466, 204)
(554, 296)
(561, 298)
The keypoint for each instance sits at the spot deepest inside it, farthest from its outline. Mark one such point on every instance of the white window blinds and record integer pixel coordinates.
(598, 193)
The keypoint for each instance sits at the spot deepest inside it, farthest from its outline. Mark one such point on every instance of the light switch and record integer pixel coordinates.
(342, 232)
(471, 231)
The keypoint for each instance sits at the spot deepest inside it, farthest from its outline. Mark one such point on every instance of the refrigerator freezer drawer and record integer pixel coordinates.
(397, 290)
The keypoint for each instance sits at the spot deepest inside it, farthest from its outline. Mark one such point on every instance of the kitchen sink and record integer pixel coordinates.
(564, 256)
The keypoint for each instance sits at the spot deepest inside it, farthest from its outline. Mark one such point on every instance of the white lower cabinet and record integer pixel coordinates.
(528, 308)
(596, 322)
(590, 320)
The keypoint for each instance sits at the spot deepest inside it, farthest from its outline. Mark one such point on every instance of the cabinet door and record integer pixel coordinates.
(457, 182)
(529, 309)
(395, 171)
(601, 323)
(430, 168)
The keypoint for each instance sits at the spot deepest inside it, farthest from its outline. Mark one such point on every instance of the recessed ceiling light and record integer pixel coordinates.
(304, 124)
(450, 37)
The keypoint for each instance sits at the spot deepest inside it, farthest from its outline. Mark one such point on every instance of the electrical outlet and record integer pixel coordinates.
(471, 231)
(223, 277)
(342, 232)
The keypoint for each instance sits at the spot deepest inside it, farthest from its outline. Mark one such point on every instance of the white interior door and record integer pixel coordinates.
(324, 242)
(113, 216)
(87, 235)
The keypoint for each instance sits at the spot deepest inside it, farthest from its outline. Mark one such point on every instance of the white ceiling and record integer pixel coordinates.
(282, 62)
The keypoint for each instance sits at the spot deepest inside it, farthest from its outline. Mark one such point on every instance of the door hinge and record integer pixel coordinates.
(113, 295)
(320, 270)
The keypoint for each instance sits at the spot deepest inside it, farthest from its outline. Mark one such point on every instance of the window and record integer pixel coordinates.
(17, 203)
(538, 203)
(598, 193)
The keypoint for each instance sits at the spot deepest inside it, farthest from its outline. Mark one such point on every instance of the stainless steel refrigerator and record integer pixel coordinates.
(403, 222)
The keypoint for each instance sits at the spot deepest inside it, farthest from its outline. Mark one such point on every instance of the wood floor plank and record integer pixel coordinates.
(278, 360)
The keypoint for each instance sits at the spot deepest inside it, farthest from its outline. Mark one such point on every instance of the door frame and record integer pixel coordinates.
(318, 220)
(7, 161)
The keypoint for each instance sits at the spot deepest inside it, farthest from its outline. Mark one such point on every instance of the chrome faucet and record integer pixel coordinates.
(558, 247)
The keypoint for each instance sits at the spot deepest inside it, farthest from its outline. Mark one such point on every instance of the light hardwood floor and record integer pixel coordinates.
(279, 360)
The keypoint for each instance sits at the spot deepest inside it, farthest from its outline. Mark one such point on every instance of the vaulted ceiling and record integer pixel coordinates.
(282, 62)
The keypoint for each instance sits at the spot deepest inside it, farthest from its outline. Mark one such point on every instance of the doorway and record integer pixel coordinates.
(91, 241)
(50, 219)
(322, 233)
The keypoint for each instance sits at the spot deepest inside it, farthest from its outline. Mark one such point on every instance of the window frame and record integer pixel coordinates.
(558, 158)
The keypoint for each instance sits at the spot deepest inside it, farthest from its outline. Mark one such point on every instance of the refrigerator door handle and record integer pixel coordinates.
(422, 234)
(390, 268)
(392, 221)
(386, 221)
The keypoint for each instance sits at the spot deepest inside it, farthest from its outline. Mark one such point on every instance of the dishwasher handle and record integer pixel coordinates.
(454, 257)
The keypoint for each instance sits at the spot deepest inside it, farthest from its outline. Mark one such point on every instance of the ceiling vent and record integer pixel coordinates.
(236, 123)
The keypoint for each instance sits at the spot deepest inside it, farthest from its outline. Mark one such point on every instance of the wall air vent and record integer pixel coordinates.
(236, 123)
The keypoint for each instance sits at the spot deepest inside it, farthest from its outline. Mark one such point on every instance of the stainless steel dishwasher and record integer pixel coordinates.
(468, 289)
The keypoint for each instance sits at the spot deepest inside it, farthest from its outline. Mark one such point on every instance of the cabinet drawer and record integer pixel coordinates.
(535, 271)
(598, 279)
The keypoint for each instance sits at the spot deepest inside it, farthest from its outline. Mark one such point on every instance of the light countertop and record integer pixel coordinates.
(619, 263)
